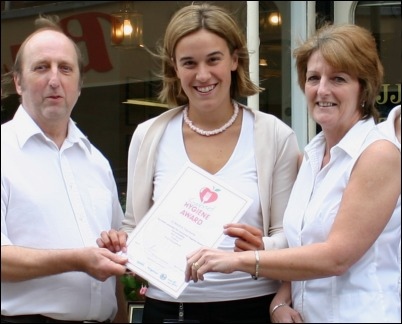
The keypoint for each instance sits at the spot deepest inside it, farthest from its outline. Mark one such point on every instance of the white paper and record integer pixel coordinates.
(189, 215)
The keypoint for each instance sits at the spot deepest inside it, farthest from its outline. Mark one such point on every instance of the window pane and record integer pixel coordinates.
(384, 20)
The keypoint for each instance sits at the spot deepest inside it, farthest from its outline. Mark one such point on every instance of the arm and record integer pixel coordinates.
(281, 310)
(135, 143)
(20, 263)
(114, 240)
(299, 161)
(141, 157)
(277, 170)
(364, 212)
(283, 176)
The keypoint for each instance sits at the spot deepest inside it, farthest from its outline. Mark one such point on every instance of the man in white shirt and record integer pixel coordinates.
(57, 194)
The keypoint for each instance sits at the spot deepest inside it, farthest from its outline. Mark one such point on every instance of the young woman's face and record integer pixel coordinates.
(204, 65)
(333, 97)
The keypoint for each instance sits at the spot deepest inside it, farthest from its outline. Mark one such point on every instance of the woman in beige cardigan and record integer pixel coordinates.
(205, 67)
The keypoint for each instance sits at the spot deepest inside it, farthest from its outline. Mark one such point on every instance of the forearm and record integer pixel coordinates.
(20, 263)
(283, 296)
(308, 262)
(281, 310)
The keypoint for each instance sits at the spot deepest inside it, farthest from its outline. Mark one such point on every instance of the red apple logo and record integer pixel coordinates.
(207, 195)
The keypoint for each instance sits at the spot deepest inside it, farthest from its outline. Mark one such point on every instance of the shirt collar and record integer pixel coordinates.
(26, 128)
(354, 138)
(350, 143)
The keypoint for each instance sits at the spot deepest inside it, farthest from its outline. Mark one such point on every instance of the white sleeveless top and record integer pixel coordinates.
(368, 291)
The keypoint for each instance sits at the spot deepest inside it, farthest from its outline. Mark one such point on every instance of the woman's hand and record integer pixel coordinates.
(247, 237)
(285, 314)
(114, 241)
(280, 309)
(209, 260)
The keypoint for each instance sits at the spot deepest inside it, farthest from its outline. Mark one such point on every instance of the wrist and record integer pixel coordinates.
(276, 307)
(257, 265)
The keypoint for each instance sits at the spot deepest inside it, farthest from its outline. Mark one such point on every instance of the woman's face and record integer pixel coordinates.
(333, 97)
(204, 64)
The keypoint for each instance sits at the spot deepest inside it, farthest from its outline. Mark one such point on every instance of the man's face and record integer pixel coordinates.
(49, 83)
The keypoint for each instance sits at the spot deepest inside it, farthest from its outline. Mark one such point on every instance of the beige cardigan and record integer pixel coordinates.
(276, 153)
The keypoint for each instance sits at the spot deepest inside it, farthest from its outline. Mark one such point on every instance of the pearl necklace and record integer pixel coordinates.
(214, 131)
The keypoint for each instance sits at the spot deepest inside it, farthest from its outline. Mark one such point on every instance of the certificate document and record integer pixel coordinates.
(189, 215)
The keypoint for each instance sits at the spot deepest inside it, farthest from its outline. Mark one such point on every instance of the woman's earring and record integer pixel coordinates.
(363, 104)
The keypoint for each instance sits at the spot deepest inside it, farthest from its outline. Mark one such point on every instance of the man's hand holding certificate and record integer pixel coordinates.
(190, 214)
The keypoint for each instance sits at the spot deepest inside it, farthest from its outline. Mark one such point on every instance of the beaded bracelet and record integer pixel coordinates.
(257, 265)
(277, 306)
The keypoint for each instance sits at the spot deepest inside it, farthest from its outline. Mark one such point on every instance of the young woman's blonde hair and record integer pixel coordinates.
(349, 48)
(216, 20)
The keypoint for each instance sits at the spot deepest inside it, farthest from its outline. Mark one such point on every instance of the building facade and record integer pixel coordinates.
(120, 80)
